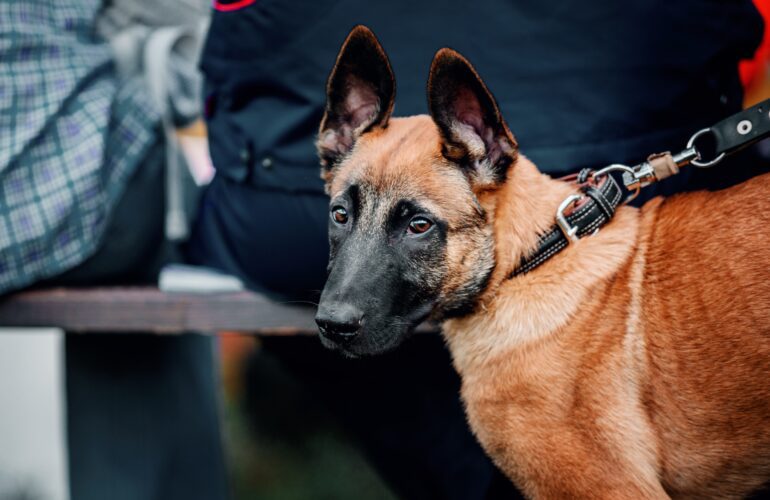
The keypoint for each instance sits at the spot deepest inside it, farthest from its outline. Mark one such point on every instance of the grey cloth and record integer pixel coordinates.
(162, 41)
(143, 33)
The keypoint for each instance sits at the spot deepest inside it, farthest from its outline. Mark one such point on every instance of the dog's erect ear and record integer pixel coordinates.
(359, 95)
(473, 130)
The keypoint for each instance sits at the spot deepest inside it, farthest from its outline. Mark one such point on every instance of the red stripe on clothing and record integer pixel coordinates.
(229, 7)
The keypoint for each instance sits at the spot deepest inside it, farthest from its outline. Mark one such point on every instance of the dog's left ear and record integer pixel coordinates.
(474, 134)
(360, 94)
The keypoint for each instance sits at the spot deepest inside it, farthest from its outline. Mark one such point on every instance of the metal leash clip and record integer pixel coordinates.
(659, 166)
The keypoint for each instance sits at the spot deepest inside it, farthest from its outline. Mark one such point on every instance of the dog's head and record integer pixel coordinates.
(408, 235)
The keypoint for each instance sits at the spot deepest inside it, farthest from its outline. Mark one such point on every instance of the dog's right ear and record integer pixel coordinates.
(360, 94)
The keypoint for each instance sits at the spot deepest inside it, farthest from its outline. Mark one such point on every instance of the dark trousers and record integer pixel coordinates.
(142, 410)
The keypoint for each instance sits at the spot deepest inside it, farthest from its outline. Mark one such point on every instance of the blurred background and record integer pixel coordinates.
(281, 441)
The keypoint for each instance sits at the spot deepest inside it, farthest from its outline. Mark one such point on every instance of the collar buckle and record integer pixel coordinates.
(561, 220)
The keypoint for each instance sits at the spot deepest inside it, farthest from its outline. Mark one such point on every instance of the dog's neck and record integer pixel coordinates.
(517, 311)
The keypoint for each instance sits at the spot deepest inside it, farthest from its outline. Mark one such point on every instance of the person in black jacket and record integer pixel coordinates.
(581, 84)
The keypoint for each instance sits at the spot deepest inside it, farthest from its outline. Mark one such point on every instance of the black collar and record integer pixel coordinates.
(578, 216)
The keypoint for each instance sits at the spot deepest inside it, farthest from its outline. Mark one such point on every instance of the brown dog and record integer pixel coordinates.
(632, 364)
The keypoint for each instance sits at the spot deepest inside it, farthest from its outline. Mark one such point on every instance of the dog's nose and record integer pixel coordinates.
(339, 322)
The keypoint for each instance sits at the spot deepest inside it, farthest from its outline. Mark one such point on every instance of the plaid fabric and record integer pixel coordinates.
(71, 134)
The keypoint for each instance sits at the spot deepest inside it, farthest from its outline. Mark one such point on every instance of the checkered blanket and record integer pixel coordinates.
(71, 134)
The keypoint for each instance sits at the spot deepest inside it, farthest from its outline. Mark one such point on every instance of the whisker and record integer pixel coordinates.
(299, 302)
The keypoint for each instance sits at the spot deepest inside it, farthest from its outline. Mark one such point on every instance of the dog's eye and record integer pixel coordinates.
(419, 225)
(340, 215)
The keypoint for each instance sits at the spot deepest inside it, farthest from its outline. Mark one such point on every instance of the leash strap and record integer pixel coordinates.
(583, 214)
(729, 136)
(742, 129)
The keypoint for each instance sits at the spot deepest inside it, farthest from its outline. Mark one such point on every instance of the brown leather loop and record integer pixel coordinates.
(663, 165)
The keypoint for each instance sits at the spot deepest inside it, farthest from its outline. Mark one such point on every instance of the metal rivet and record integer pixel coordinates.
(245, 155)
(744, 127)
(267, 162)
(723, 99)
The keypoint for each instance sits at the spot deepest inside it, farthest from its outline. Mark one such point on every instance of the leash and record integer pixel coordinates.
(583, 214)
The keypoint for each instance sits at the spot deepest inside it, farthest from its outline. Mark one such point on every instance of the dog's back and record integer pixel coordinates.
(706, 325)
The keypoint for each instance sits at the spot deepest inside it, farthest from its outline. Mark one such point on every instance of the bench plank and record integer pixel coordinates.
(151, 310)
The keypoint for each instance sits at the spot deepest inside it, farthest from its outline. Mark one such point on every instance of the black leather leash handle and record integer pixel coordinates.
(742, 129)
(734, 133)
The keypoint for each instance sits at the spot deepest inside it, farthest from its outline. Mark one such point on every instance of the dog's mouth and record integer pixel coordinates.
(367, 344)
(376, 340)
(353, 351)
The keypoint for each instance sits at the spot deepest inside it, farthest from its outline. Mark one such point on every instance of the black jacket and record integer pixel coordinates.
(580, 83)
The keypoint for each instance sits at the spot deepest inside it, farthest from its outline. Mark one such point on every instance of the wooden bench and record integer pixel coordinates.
(92, 310)
(147, 309)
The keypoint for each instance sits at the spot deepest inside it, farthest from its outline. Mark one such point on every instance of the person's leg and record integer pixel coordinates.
(142, 409)
(275, 241)
(143, 418)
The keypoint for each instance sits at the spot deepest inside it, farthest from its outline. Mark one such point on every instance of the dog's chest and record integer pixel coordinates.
(580, 380)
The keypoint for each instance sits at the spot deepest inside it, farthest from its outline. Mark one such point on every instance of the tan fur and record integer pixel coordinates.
(404, 161)
(635, 363)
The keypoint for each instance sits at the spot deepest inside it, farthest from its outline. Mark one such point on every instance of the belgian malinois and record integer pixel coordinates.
(634, 363)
